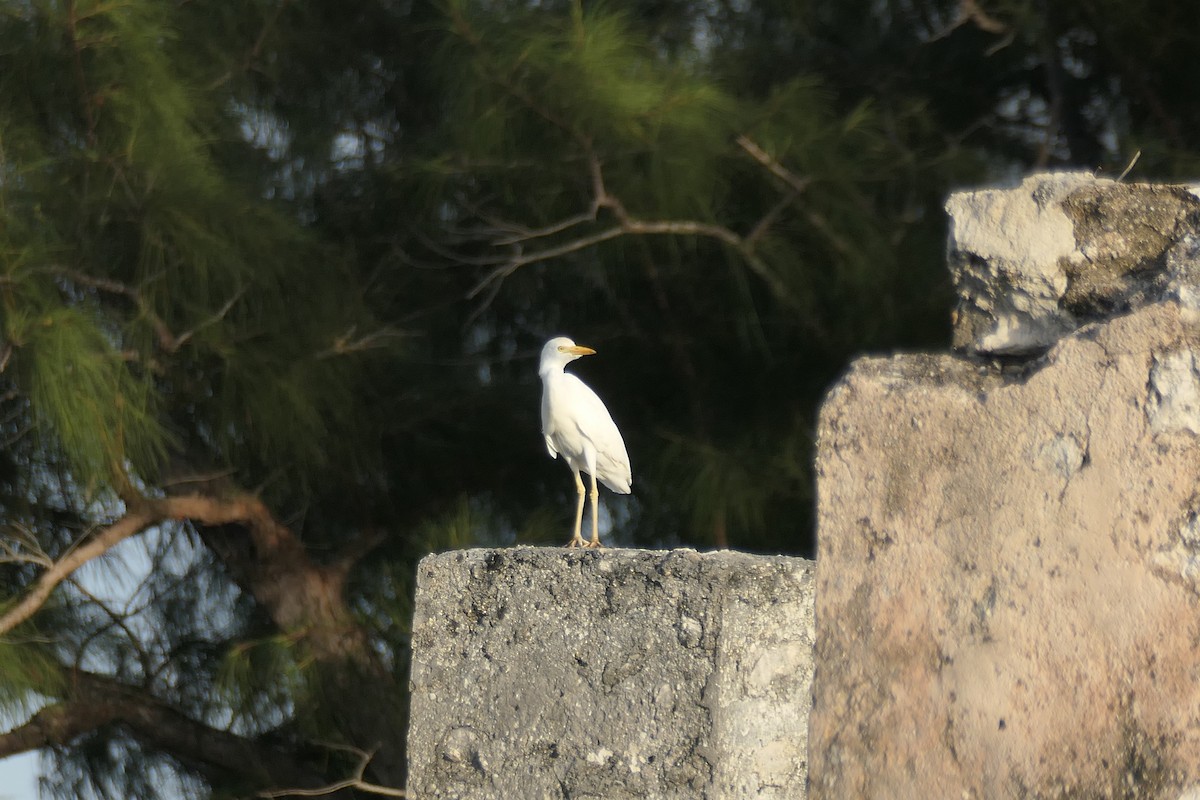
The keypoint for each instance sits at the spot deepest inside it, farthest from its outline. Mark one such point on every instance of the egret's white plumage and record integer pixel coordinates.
(578, 427)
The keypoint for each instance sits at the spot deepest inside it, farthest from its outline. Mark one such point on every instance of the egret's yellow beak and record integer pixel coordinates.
(578, 350)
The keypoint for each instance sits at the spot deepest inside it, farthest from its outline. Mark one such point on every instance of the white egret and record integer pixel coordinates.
(578, 426)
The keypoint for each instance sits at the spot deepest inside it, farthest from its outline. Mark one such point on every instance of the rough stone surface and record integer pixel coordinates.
(551, 673)
(1034, 263)
(1008, 579)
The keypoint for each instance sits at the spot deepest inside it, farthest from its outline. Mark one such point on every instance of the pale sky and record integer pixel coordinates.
(18, 777)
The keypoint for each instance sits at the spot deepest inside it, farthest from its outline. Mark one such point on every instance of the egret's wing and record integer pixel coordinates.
(614, 471)
(594, 423)
(548, 424)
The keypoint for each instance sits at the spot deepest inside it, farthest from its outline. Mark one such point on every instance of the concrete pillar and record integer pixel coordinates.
(552, 673)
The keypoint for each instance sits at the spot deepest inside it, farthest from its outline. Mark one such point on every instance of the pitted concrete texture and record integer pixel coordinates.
(551, 673)
(1008, 580)
(1034, 262)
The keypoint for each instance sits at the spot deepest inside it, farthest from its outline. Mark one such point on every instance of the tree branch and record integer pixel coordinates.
(969, 11)
(142, 514)
(347, 343)
(793, 180)
(763, 225)
(270, 563)
(53, 725)
(117, 620)
(98, 700)
(168, 340)
(629, 225)
(516, 262)
(131, 524)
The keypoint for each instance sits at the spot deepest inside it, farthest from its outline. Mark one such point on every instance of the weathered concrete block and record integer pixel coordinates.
(1008, 580)
(551, 673)
(1035, 262)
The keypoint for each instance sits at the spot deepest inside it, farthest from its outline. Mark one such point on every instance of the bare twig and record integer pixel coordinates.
(969, 11)
(459, 258)
(116, 619)
(763, 225)
(1129, 168)
(172, 345)
(103, 284)
(557, 227)
(256, 49)
(515, 263)
(347, 343)
(167, 339)
(21, 547)
(349, 783)
(793, 180)
(356, 782)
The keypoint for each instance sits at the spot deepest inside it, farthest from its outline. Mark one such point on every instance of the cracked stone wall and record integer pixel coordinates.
(552, 673)
(1008, 582)
(1034, 263)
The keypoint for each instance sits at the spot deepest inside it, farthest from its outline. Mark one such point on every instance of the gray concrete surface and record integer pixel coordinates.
(552, 673)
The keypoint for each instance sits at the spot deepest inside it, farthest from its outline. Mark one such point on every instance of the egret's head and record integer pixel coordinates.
(561, 351)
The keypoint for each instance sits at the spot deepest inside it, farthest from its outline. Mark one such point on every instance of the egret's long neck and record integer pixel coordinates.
(551, 369)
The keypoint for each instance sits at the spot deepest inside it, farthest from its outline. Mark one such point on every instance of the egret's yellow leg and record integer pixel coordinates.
(595, 494)
(577, 539)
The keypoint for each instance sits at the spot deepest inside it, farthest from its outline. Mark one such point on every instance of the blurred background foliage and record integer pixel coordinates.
(312, 248)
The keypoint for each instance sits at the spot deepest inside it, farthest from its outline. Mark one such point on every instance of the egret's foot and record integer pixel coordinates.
(577, 542)
(593, 543)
